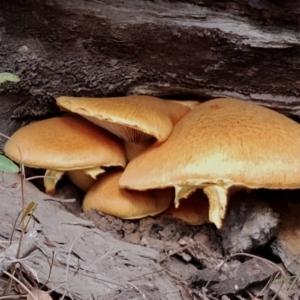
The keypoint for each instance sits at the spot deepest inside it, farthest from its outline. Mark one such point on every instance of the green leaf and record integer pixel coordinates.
(6, 165)
(8, 77)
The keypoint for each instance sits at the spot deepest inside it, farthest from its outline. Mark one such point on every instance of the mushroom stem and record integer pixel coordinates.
(133, 149)
(218, 199)
(50, 180)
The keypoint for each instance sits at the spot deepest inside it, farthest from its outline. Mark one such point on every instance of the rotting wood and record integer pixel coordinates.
(247, 49)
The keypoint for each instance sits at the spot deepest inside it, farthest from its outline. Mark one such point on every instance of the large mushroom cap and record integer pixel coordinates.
(65, 143)
(137, 120)
(132, 118)
(106, 196)
(220, 144)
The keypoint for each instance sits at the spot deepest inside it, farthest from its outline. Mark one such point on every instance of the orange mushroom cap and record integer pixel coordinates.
(106, 196)
(64, 144)
(220, 145)
(137, 120)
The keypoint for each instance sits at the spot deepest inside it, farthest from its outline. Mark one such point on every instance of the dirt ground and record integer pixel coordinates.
(249, 235)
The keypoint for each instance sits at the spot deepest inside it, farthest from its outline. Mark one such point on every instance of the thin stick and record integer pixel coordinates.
(243, 254)
(185, 248)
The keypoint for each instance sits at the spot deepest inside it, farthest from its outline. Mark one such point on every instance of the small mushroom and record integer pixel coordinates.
(65, 144)
(193, 210)
(137, 120)
(221, 145)
(106, 196)
(83, 180)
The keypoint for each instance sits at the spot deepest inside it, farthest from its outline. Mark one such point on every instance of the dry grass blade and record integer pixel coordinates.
(29, 210)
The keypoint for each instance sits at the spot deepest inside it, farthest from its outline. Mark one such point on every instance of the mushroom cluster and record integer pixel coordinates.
(206, 151)
(137, 120)
(94, 136)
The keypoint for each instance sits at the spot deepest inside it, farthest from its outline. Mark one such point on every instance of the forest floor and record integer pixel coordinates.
(76, 255)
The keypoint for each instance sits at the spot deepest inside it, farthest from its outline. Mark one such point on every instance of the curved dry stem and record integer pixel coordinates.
(22, 284)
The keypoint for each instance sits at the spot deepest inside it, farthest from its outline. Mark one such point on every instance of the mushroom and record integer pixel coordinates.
(83, 180)
(137, 120)
(65, 144)
(106, 196)
(193, 210)
(221, 145)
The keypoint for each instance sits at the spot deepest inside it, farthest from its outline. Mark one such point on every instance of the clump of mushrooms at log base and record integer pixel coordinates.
(139, 156)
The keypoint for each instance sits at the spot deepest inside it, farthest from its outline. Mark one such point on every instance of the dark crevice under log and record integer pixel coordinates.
(202, 49)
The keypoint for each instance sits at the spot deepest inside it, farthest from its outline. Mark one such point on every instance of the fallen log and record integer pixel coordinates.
(189, 49)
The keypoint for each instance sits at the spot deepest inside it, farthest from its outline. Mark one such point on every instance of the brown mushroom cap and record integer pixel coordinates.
(106, 196)
(220, 144)
(63, 144)
(135, 119)
(193, 210)
(132, 118)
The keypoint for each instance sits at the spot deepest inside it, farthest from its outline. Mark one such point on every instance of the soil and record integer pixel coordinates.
(250, 227)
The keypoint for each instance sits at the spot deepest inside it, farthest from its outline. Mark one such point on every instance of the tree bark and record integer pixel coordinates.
(247, 49)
